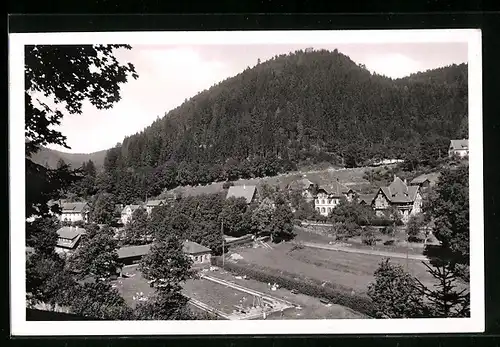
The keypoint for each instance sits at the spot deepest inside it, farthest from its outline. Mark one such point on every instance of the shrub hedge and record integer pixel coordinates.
(311, 287)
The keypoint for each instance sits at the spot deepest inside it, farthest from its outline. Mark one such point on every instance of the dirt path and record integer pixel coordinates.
(365, 251)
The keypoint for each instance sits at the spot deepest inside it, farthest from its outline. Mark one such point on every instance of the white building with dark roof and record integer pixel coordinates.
(459, 147)
(200, 255)
(329, 196)
(73, 211)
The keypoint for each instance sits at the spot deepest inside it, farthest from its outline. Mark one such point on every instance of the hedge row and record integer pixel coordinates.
(338, 295)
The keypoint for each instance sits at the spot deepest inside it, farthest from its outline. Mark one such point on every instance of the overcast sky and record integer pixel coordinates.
(170, 74)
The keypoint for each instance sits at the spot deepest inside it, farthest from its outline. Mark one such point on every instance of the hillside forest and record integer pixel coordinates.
(295, 109)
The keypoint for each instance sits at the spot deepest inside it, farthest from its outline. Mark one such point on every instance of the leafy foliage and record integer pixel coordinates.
(103, 208)
(395, 293)
(47, 281)
(448, 207)
(166, 264)
(301, 107)
(99, 301)
(368, 236)
(137, 231)
(97, 257)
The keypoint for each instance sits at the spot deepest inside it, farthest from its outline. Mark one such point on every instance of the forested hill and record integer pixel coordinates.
(304, 106)
(50, 157)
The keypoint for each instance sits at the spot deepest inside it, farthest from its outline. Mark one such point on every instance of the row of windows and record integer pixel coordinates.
(200, 258)
(323, 210)
(327, 201)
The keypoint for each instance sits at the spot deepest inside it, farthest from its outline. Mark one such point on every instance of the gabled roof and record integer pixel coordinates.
(419, 180)
(335, 188)
(70, 232)
(190, 247)
(132, 207)
(245, 191)
(399, 192)
(366, 198)
(302, 184)
(133, 251)
(459, 144)
(73, 207)
(153, 203)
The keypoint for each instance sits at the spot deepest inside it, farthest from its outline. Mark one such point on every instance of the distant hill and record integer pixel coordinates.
(50, 157)
(293, 110)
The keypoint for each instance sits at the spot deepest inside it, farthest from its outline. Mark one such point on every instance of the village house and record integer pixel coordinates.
(68, 238)
(366, 199)
(200, 255)
(459, 147)
(127, 212)
(305, 186)
(329, 196)
(249, 193)
(129, 255)
(73, 211)
(152, 204)
(406, 199)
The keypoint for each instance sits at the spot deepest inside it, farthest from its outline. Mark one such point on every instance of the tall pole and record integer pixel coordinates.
(222, 233)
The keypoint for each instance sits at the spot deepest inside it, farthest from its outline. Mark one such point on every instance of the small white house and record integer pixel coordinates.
(127, 213)
(459, 147)
(328, 197)
(74, 211)
(68, 238)
(199, 254)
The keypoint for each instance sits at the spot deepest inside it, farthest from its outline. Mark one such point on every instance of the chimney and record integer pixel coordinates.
(405, 181)
(394, 177)
(76, 227)
(244, 186)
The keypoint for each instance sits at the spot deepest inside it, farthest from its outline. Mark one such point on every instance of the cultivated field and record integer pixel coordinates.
(348, 271)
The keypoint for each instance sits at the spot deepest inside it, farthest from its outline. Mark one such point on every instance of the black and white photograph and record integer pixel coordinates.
(305, 182)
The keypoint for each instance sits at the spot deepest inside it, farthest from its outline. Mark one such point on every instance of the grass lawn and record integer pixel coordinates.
(302, 235)
(347, 270)
(311, 308)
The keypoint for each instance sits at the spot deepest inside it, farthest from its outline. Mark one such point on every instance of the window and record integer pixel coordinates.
(323, 209)
(317, 209)
(329, 209)
(317, 201)
(322, 202)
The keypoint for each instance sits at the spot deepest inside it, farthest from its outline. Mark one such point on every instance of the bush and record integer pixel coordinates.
(336, 294)
(388, 230)
(368, 236)
(389, 243)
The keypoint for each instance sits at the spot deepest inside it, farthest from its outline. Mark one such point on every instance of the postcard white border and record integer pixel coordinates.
(21, 327)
